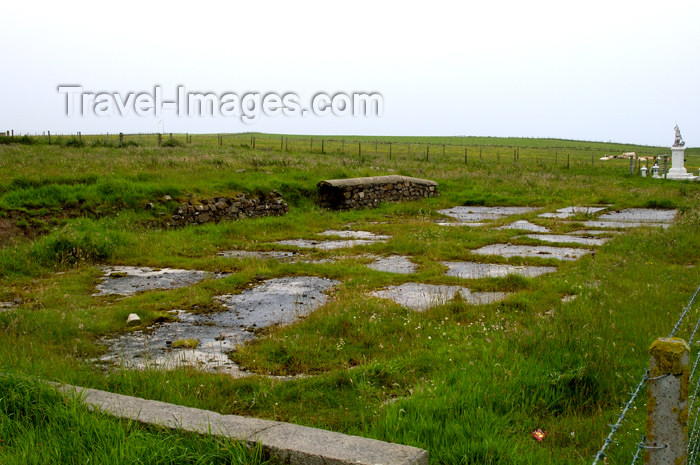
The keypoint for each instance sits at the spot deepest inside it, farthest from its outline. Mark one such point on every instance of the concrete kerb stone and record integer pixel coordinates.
(286, 442)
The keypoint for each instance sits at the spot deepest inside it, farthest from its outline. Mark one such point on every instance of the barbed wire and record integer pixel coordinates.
(685, 312)
(694, 441)
(621, 418)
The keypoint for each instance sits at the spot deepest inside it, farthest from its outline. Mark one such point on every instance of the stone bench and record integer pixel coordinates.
(344, 194)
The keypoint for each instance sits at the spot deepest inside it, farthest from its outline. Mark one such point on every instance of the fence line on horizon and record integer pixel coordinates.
(559, 155)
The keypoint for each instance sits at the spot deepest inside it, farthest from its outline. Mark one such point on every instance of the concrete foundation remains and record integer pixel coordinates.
(344, 194)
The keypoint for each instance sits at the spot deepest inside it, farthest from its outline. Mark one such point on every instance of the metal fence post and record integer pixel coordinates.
(667, 404)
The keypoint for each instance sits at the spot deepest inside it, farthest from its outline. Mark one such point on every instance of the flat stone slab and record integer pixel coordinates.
(394, 264)
(524, 225)
(279, 255)
(568, 239)
(285, 442)
(276, 301)
(642, 215)
(591, 232)
(623, 224)
(472, 225)
(348, 234)
(477, 214)
(568, 212)
(420, 297)
(328, 245)
(128, 280)
(510, 250)
(474, 270)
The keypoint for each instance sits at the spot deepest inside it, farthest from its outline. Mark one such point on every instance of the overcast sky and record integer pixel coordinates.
(624, 71)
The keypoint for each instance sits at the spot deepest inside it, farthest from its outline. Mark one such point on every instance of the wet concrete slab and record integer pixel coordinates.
(640, 215)
(568, 239)
(623, 224)
(475, 214)
(128, 280)
(524, 225)
(279, 255)
(474, 270)
(420, 297)
(540, 251)
(349, 234)
(592, 232)
(275, 301)
(394, 264)
(472, 225)
(327, 245)
(568, 212)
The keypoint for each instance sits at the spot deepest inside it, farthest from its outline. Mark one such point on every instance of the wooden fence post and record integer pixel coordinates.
(323, 145)
(465, 155)
(389, 150)
(121, 138)
(667, 391)
(160, 139)
(47, 132)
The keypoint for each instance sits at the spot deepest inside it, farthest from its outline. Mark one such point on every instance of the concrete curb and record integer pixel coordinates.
(286, 442)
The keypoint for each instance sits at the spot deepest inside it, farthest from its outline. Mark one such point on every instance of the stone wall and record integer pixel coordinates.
(342, 194)
(226, 208)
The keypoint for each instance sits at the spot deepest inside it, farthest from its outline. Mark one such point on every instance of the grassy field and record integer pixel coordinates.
(467, 383)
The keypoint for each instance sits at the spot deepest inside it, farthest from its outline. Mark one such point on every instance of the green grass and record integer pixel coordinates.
(35, 421)
(468, 383)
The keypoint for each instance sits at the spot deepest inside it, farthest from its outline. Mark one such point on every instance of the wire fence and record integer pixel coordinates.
(545, 152)
(693, 412)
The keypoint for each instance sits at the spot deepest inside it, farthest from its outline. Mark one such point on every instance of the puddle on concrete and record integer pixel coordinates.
(276, 301)
(282, 256)
(348, 234)
(524, 225)
(473, 270)
(510, 250)
(568, 212)
(128, 280)
(641, 215)
(394, 264)
(420, 297)
(568, 239)
(623, 224)
(477, 214)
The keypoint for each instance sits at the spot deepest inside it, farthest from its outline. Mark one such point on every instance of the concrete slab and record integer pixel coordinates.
(568, 212)
(279, 255)
(475, 214)
(288, 443)
(327, 245)
(510, 250)
(568, 239)
(128, 280)
(349, 234)
(523, 225)
(420, 297)
(592, 232)
(276, 301)
(474, 270)
(394, 264)
(641, 215)
(623, 224)
(470, 225)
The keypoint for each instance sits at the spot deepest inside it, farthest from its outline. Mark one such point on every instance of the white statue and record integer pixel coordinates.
(678, 142)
